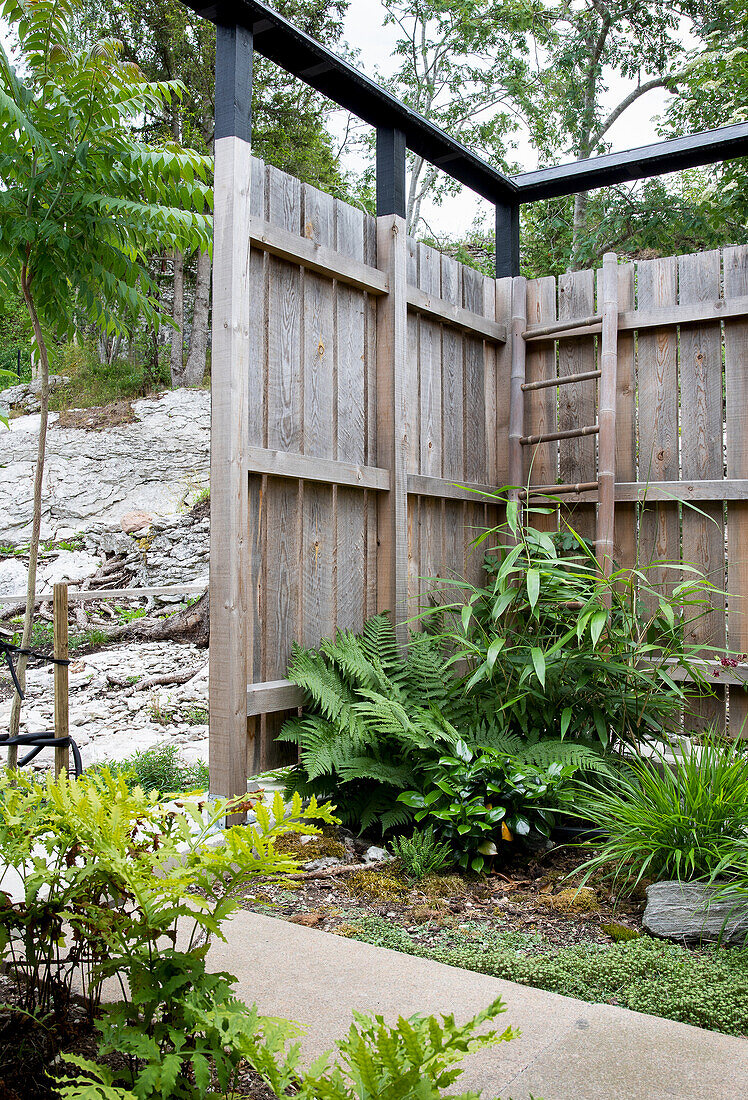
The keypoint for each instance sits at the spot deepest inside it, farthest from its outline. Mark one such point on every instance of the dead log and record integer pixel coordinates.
(192, 624)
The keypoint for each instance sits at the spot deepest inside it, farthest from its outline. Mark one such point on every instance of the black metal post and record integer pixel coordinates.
(390, 171)
(234, 53)
(507, 239)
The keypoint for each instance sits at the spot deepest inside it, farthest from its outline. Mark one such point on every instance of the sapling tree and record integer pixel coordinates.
(83, 202)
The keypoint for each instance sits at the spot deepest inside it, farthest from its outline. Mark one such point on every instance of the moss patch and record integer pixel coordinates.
(376, 886)
(620, 933)
(316, 847)
(582, 900)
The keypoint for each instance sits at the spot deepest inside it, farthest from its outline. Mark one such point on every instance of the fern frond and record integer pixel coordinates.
(365, 767)
(544, 753)
(379, 642)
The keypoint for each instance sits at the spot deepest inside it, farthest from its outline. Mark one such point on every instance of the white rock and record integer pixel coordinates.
(72, 566)
(374, 854)
(13, 576)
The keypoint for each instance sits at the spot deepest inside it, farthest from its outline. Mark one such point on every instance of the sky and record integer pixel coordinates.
(364, 31)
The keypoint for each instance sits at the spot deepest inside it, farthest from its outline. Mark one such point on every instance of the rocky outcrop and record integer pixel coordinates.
(92, 478)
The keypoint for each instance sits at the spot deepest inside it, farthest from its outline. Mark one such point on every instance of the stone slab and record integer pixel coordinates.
(568, 1049)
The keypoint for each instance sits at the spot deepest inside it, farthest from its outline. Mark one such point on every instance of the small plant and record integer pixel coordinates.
(422, 853)
(684, 817)
(160, 769)
(196, 716)
(129, 614)
(479, 799)
(161, 713)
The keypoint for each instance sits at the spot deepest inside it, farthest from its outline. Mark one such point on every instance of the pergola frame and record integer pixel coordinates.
(399, 127)
(242, 27)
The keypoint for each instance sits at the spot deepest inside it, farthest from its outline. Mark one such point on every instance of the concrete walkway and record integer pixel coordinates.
(568, 1049)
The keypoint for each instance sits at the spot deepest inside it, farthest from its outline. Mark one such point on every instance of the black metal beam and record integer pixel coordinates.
(299, 54)
(693, 151)
(507, 239)
(390, 171)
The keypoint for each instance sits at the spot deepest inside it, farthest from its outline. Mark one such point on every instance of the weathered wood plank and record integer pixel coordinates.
(703, 533)
(392, 518)
(626, 519)
(312, 254)
(229, 548)
(541, 462)
(264, 460)
(272, 696)
(501, 289)
(630, 320)
(577, 403)
(466, 319)
(318, 381)
(453, 423)
(350, 433)
(606, 474)
(659, 527)
(736, 383)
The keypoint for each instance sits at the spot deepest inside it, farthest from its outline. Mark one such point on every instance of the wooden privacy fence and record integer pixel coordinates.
(361, 382)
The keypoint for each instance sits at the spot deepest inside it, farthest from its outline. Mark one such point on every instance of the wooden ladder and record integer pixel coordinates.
(605, 426)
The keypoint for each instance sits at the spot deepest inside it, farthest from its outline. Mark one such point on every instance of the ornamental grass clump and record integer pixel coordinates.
(681, 817)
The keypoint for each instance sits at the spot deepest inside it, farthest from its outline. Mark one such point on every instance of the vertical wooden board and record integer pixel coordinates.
(541, 461)
(503, 368)
(257, 426)
(413, 431)
(474, 375)
(703, 531)
(430, 442)
(487, 307)
(370, 398)
(625, 534)
(453, 541)
(350, 442)
(577, 404)
(284, 432)
(736, 398)
(659, 527)
(229, 551)
(318, 386)
(392, 443)
(453, 386)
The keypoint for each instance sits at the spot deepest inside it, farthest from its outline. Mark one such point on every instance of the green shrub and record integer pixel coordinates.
(160, 769)
(685, 818)
(553, 649)
(376, 723)
(478, 799)
(89, 382)
(422, 853)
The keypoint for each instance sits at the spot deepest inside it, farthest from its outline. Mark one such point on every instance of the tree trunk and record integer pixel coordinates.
(177, 334)
(580, 226)
(195, 369)
(190, 625)
(36, 516)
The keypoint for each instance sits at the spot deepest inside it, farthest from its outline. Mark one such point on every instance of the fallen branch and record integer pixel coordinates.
(161, 680)
(342, 869)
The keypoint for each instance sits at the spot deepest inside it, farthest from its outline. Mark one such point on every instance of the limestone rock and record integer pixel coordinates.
(135, 521)
(375, 854)
(689, 912)
(13, 576)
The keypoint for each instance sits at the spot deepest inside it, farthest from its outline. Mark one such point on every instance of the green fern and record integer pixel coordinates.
(370, 715)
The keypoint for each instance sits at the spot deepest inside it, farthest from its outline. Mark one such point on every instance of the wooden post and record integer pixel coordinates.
(229, 544)
(516, 393)
(392, 440)
(62, 727)
(606, 476)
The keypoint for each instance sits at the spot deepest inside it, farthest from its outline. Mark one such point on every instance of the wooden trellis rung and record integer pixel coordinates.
(561, 326)
(558, 490)
(570, 433)
(546, 383)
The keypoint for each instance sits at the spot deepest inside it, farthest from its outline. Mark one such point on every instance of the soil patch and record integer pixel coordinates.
(534, 893)
(98, 418)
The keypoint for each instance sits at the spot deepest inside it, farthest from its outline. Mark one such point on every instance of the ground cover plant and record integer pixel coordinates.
(122, 869)
(161, 769)
(707, 988)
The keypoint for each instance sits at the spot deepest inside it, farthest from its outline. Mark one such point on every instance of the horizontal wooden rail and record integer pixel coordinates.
(720, 309)
(570, 433)
(736, 677)
(261, 460)
(440, 487)
(273, 696)
(567, 380)
(112, 593)
(316, 257)
(463, 319)
(663, 491)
